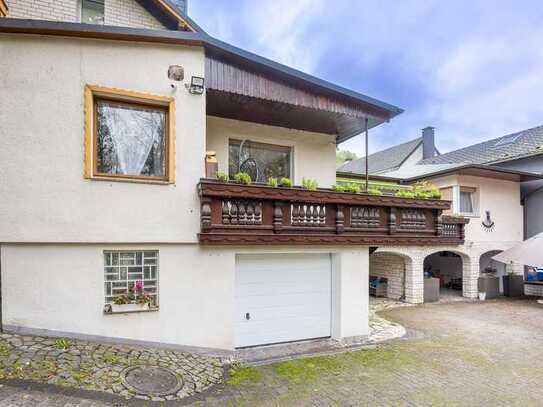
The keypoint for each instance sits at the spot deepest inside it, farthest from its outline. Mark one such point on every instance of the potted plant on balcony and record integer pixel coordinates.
(513, 285)
(135, 299)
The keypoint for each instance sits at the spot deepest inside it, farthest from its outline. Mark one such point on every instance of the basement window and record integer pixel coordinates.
(128, 136)
(131, 280)
(92, 11)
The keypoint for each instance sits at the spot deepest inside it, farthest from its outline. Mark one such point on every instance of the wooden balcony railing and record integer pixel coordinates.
(234, 214)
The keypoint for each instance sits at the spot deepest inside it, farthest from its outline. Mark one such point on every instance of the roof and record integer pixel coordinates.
(510, 147)
(384, 160)
(41, 27)
(420, 172)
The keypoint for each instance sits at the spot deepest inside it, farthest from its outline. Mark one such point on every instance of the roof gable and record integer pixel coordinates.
(384, 160)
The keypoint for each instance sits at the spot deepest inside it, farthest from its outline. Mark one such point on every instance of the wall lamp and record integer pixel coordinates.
(196, 85)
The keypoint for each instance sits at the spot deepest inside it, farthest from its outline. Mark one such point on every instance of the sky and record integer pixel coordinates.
(472, 69)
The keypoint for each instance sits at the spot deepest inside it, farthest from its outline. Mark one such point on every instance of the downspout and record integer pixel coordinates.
(1, 319)
(366, 133)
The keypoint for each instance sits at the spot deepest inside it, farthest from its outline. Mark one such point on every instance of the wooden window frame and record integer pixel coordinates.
(94, 93)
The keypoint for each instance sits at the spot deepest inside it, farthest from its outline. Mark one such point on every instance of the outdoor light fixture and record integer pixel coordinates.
(196, 85)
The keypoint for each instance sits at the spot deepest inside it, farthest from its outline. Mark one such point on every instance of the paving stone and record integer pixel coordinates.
(96, 366)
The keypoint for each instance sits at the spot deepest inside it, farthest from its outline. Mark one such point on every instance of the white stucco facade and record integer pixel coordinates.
(56, 225)
(313, 154)
(60, 289)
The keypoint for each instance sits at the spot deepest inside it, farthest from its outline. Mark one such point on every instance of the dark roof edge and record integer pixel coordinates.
(474, 166)
(26, 26)
(59, 28)
(213, 42)
(185, 16)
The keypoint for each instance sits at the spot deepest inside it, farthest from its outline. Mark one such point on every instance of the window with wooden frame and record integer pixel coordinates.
(129, 136)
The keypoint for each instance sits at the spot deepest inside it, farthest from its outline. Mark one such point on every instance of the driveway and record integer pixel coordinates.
(464, 354)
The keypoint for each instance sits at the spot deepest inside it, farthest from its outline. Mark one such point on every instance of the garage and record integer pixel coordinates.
(282, 298)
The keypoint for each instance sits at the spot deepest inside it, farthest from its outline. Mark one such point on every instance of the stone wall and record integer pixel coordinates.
(123, 13)
(128, 13)
(391, 267)
(55, 10)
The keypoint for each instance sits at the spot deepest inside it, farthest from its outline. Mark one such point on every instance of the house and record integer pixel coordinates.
(486, 185)
(402, 155)
(116, 116)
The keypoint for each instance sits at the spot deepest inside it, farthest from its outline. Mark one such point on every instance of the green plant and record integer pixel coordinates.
(62, 344)
(426, 190)
(242, 178)
(121, 299)
(338, 188)
(352, 187)
(222, 176)
(310, 184)
(375, 191)
(404, 194)
(272, 182)
(285, 182)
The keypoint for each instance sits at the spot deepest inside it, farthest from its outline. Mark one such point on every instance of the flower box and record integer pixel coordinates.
(129, 307)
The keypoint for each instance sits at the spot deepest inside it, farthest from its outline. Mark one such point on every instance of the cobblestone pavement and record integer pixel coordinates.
(98, 366)
(460, 354)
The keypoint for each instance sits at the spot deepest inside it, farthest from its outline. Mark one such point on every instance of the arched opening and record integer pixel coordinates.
(444, 271)
(491, 269)
(388, 275)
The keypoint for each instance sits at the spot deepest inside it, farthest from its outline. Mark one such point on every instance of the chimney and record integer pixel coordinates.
(181, 5)
(428, 143)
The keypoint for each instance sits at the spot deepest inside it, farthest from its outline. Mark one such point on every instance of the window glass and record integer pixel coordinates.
(466, 202)
(130, 139)
(261, 161)
(92, 11)
(125, 271)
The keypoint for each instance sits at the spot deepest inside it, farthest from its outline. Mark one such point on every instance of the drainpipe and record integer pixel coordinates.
(366, 136)
(1, 319)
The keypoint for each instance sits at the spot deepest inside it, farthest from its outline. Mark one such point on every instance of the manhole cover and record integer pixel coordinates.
(151, 380)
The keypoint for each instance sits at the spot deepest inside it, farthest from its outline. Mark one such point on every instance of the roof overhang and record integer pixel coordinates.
(371, 177)
(478, 170)
(344, 112)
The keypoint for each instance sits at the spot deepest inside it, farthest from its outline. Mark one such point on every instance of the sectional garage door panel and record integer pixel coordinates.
(287, 297)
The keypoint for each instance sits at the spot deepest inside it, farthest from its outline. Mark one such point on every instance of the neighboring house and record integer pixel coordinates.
(485, 183)
(107, 131)
(399, 156)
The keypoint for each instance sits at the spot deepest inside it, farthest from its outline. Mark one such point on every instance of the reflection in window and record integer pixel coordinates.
(130, 139)
(261, 161)
(92, 11)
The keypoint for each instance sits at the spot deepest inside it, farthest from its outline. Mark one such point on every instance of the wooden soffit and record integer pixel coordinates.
(241, 93)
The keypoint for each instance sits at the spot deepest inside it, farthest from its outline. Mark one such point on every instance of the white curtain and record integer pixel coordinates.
(133, 131)
(466, 203)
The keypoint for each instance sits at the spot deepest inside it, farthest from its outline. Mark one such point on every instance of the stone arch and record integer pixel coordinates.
(469, 269)
(486, 262)
(397, 265)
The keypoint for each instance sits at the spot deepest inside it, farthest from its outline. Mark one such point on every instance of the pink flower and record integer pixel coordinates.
(138, 285)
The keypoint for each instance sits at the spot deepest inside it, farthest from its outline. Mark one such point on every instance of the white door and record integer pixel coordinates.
(282, 297)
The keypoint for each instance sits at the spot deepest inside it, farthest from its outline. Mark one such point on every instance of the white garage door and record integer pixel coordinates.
(282, 297)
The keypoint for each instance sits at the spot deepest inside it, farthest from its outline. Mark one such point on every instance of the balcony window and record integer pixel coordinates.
(261, 161)
(92, 11)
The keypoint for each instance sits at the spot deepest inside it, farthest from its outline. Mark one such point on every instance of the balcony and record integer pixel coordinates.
(235, 214)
